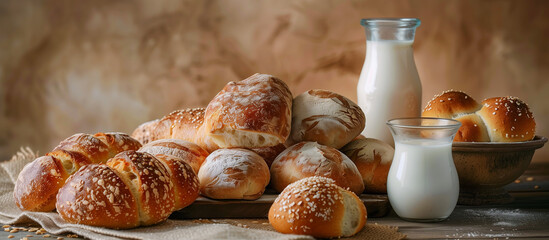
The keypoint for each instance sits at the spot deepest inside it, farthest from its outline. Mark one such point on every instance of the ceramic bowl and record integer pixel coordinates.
(484, 168)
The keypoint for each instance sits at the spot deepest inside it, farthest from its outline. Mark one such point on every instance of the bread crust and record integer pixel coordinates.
(373, 159)
(508, 119)
(252, 113)
(39, 182)
(189, 152)
(307, 159)
(325, 117)
(234, 173)
(450, 104)
(316, 206)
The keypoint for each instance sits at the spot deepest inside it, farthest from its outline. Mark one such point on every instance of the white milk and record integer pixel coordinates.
(389, 86)
(423, 183)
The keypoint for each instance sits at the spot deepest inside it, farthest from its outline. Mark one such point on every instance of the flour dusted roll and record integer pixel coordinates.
(233, 174)
(373, 159)
(189, 152)
(507, 119)
(316, 206)
(39, 181)
(307, 159)
(252, 113)
(325, 117)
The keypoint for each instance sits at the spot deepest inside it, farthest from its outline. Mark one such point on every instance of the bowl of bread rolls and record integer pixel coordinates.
(494, 145)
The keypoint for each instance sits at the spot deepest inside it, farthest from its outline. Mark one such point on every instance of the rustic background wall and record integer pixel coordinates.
(68, 67)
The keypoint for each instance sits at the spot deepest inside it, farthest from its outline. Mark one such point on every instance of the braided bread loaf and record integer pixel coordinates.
(132, 189)
(39, 181)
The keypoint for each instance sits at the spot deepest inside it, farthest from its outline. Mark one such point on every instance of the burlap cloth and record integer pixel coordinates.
(171, 229)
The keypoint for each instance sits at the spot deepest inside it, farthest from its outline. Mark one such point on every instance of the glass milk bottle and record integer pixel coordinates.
(389, 85)
(423, 184)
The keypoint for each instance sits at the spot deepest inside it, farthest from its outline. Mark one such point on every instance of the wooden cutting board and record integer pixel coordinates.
(376, 206)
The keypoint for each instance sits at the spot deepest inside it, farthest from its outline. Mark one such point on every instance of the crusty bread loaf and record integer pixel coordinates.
(501, 119)
(252, 113)
(40, 180)
(307, 159)
(316, 206)
(373, 159)
(507, 119)
(189, 152)
(233, 174)
(325, 117)
(131, 190)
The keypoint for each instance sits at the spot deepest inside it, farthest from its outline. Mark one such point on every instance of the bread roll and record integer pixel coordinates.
(451, 104)
(189, 152)
(325, 117)
(307, 159)
(132, 189)
(501, 119)
(233, 174)
(252, 113)
(507, 119)
(316, 206)
(472, 129)
(373, 159)
(39, 181)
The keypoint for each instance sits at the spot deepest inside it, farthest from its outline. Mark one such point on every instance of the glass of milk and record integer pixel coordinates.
(389, 85)
(423, 184)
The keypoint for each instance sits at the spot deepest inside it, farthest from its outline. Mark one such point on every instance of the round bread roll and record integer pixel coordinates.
(316, 206)
(189, 152)
(373, 159)
(233, 174)
(450, 104)
(307, 159)
(472, 129)
(325, 117)
(507, 119)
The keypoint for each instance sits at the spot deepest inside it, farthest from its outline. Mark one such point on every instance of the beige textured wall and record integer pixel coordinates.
(74, 66)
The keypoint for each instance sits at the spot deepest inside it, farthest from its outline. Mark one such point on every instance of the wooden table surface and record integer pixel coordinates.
(526, 217)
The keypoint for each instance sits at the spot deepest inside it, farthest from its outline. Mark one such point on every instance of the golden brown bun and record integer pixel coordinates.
(307, 159)
(450, 104)
(373, 159)
(189, 152)
(472, 129)
(316, 206)
(252, 113)
(508, 119)
(500, 119)
(325, 117)
(40, 180)
(97, 196)
(233, 174)
(132, 189)
(269, 153)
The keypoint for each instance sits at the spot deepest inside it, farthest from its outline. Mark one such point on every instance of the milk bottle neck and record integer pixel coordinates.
(390, 29)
